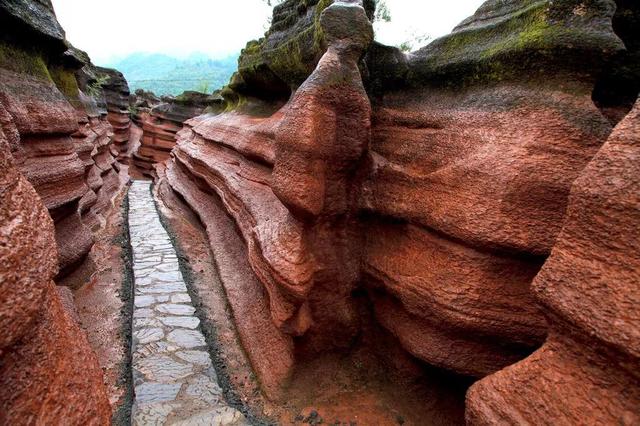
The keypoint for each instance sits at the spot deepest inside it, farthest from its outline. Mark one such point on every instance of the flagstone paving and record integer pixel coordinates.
(173, 376)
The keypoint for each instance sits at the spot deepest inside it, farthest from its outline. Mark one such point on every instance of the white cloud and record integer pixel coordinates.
(115, 28)
(433, 18)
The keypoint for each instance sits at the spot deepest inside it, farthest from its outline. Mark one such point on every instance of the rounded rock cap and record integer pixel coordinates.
(347, 22)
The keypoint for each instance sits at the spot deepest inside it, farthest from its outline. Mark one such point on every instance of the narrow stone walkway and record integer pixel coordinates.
(173, 376)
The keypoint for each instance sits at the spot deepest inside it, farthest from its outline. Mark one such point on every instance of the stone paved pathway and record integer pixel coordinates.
(173, 376)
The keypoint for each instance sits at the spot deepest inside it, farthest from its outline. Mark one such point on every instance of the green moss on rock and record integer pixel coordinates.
(65, 81)
(22, 61)
(509, 39)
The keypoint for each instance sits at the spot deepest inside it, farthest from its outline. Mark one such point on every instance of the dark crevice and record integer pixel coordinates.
(617, 87)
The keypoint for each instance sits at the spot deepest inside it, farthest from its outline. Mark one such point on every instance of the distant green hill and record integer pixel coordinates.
(166, 75)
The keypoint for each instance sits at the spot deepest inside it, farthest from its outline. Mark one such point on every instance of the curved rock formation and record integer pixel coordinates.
(588, 367)
(473, 204)
(48, 373)
(242, 164)
(104, 175)
(116, 91)
(161, 122)
(474, 150)
(63, 145)
(442, 199)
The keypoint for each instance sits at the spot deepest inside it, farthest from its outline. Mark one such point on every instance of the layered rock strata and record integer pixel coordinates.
(104, 175)
(116, 91)
(63, 140)
(473, 153)
(161, 123)
(442, 199)
(48, 373)
(588, 290)
(295, 242)
(57, 178)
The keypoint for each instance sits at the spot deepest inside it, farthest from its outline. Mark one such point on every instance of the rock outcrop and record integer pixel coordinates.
(473, 204)
(104, 175)
(62, 143)
(48, 372)
(116, 91)
(588, 290)
(473, 153)
(58, 176)
(442, 197)
(298, 238)
(160, 121)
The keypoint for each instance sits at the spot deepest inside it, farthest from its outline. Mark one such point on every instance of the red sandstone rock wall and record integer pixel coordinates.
(298, 238)
(469, 177)
(64, 144)
(48, 373)
(588, 369)
(116, 92)
(442, 199)
(58, 176)
(161, 122)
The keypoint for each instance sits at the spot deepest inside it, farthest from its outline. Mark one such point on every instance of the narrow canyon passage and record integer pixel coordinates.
(345, 233)
(173, 375)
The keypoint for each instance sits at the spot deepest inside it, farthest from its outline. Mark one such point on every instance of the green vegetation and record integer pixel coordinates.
(23, 61)
(95, 88)
(66, 82)
(382, 11)
(167, 75)
(203, 87)
(415, 41)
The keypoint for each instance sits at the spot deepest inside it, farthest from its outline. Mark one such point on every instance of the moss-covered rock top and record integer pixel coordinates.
(286, 55)
(33, 43)
(507, 37)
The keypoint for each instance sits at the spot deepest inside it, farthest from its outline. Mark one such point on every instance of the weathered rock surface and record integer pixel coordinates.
(297, 238)
(48, 373)
(282, 60)
(161, 122)
(472, 198)
(473, 153)
(116, 91)
(588, 288)
(442, 198)
(51, 102)
(57, 179)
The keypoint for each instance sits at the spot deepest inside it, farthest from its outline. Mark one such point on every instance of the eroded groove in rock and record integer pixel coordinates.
(160, 120)
(116, 92)
(471, 206)
(474, 151)
(589, 292)
(47, 370)
(50, 100)
(295, 250)
(452, 207)
(269, 349)
(56, 135)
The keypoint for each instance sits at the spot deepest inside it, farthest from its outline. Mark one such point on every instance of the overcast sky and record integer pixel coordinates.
(108, 29)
